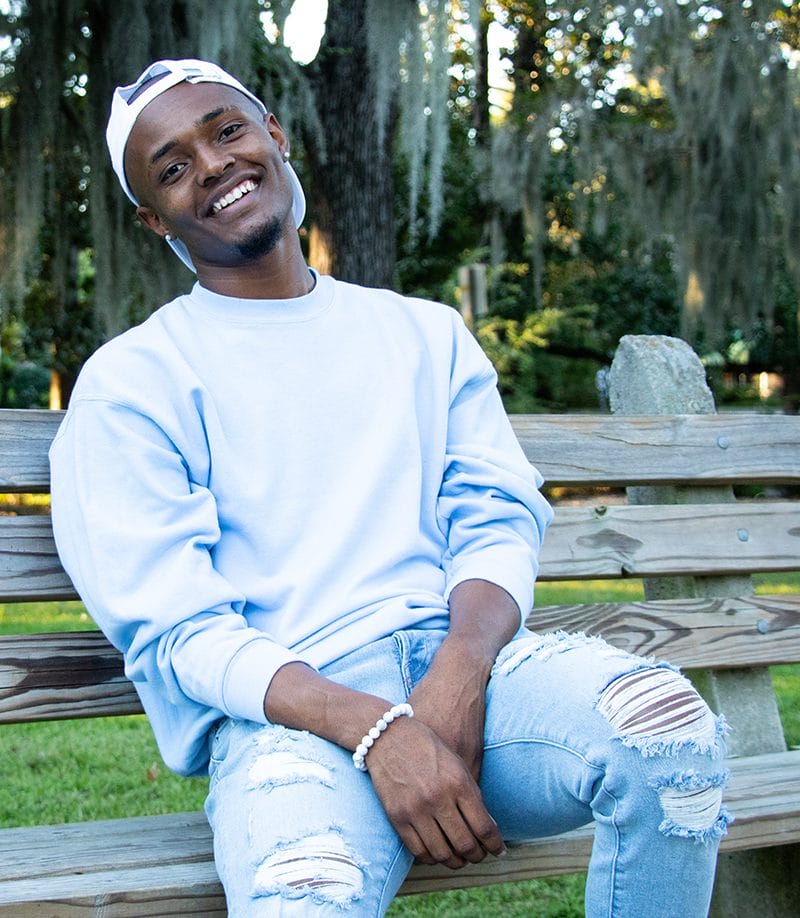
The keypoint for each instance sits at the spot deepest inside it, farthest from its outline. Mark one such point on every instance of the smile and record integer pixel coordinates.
(238, 192)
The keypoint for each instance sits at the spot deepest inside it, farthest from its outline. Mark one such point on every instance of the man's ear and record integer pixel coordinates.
(276, 132)
(152, 221)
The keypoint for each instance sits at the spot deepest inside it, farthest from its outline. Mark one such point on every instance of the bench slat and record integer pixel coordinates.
(568, 449)
(30, 569)
(707, 633)
(583, 543)
(25, 438)
(79, 674)
(671, 539)
(59, 676)
(83, 865)
(730, 448)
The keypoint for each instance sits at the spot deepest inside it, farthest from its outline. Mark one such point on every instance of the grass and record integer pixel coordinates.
(96, 769)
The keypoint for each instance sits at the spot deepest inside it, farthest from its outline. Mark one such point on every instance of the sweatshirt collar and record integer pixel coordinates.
(236, 310)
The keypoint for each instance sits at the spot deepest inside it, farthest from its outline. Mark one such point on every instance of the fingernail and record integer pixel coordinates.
(503, 853)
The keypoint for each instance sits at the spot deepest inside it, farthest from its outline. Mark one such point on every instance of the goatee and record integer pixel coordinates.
(261, 242)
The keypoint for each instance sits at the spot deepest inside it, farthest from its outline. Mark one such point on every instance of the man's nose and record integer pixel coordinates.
(211, 162)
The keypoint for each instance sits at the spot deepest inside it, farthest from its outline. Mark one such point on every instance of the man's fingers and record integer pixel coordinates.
(429, 845)
(483, 827)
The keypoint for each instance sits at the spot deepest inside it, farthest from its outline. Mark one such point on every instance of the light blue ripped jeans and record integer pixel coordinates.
(575, 731)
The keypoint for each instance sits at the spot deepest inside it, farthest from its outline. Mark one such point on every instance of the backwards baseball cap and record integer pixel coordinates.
(129, 101)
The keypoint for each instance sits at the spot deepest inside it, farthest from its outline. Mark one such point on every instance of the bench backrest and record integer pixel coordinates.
(594, 536)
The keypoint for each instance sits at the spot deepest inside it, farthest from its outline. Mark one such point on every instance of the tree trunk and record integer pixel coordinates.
(351, 186)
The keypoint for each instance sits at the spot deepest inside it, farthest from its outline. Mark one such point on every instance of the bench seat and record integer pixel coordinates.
(136, 866)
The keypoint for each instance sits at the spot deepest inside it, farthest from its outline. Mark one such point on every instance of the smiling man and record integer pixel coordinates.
(298, 509)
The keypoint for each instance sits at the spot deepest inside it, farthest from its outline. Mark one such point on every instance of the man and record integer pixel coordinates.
(299, 510)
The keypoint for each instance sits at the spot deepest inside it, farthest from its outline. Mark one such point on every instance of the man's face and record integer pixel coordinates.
(207, 167)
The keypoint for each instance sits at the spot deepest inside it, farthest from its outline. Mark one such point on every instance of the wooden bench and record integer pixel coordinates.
(681, 531)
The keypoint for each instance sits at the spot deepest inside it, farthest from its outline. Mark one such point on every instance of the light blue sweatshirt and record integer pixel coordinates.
(239, 484)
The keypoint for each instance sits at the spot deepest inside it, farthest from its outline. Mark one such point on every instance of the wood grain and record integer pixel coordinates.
(583, 543)
(741, 448)
(669, 539)
(79, 674)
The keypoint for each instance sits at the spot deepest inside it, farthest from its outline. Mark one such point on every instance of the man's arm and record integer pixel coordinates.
(426, 789)
(451, 699)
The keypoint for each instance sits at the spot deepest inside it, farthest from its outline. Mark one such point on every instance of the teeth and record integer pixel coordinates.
(234, 195)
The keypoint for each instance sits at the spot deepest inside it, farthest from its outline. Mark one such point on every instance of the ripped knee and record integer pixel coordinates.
(318, 866)
(657, 711)
(692, 805)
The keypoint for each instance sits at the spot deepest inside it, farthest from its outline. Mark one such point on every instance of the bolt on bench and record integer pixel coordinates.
(682, 531)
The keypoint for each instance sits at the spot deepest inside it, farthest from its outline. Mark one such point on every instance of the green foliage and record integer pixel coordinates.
(23, 385)
(631, 146)
(533, 378)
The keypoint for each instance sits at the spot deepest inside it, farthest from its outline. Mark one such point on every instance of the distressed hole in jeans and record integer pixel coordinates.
(692, 805)
(540, 647)
(318, 866)
(654, 708)
(273, 769)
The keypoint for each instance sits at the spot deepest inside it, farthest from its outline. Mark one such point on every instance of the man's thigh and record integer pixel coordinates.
(548, 741)
(297, 829)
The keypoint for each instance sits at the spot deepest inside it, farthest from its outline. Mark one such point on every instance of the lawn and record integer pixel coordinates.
(95, 769)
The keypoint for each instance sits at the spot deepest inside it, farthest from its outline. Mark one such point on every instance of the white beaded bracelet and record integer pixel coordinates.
(368, 740)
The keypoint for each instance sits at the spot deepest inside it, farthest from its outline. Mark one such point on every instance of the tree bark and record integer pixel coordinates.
(351, 186)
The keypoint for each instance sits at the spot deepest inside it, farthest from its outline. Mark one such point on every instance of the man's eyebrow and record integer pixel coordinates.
(210, 116)
(162, 151)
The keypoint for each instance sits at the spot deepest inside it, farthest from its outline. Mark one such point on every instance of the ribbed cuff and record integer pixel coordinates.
(517, 583)
(249, 675)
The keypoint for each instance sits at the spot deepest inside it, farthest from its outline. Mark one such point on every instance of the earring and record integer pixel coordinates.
(286, 155)
(169, 237)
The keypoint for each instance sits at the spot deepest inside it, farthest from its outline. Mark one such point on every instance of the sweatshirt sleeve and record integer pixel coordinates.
(137, 537)
(489, 506)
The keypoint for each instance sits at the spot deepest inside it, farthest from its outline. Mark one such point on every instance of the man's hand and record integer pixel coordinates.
(441, 816)
(424, 769)
(430, 797)
(427, 791)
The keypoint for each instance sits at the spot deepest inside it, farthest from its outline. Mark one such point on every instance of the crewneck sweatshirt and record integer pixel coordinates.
(239, 484)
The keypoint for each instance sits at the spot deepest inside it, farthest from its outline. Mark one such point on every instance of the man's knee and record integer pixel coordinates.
(658, 712)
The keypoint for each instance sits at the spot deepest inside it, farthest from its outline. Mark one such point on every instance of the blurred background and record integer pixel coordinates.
(562, 172)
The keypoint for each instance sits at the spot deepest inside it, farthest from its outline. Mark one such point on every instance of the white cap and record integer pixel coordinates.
(128, 102)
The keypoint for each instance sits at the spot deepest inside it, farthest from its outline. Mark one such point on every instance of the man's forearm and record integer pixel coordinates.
(300, 698)
(451, 699)
(483, 618)
(425, 788)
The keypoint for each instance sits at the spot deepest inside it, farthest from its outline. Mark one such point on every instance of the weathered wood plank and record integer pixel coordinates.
(25, 437)
(79, 674)
(710, 633)
(30, 569)
(712, 448)
(568, 449)
(671, 539)
(583, 543)
(59, 676)
(143, 861)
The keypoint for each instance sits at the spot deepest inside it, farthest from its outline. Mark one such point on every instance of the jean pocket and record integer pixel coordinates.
(415, 649)
(219, 742)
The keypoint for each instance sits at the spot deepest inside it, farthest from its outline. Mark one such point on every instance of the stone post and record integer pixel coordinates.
(655, 375)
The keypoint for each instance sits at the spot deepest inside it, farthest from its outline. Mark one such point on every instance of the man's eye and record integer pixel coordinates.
(171, 171)
(229, 130)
